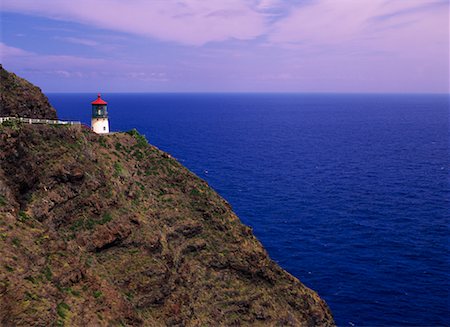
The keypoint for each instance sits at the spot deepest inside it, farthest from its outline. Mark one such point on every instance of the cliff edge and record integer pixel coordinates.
(110, 231)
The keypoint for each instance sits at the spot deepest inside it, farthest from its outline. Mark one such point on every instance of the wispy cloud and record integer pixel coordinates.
(77, 40)
(7, 52)
(191, 22)
(303, 45)
(39, 67)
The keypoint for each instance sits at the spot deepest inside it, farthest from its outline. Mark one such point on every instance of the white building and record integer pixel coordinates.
(99, 122)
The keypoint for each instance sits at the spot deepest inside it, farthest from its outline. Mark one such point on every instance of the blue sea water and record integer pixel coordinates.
(349, 193)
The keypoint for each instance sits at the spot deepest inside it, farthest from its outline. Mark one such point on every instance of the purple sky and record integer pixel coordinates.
(228, 45)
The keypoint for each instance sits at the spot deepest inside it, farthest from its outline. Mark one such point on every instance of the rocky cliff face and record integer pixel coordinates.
(20, 98)
(110, 231)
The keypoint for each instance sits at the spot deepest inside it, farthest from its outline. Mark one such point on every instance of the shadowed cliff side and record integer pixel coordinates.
(20, 98)
(110, 231)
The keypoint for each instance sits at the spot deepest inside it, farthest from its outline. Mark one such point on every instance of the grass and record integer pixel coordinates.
(23, 217)
(47, 273)
(195, 192)
(31, 279)
(62, 309)
(31, 296)
(138, 155)
(118, 169)
(97, 294)
(140, 139)
(105, 219)
(89, 223)
(75, 293)
(102, 142)
(14, 124)
(15, 241)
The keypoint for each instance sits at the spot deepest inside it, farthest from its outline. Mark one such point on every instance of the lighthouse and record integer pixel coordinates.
(99, 121)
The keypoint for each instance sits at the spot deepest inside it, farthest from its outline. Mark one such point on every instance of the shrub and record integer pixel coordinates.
(118, 169)
(138, 155)
(2, 200)
(31, 279)
(140, 139)
(75, 293)
(97, 294)
(31, 296)
(102, 142)
(89, 223)
(105, 219)
(195, 192)
(62, 309)
(23, 216)
(14, 124)
(16, 241)
(47, 273)
(78, 224)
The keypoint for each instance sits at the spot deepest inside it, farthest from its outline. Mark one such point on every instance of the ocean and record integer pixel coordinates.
(349, 193)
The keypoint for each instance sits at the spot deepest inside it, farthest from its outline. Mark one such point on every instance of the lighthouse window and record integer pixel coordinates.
(104, 128)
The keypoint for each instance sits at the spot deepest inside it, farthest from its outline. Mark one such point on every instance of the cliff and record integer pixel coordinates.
(110, 231)
(20, 98)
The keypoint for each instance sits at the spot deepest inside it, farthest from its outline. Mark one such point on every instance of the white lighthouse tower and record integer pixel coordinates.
(99, 121)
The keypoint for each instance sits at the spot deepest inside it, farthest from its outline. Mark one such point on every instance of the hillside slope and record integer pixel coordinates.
(20, 98)
(110, 231)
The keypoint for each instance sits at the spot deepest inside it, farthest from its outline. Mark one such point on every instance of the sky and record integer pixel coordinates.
(342, 46)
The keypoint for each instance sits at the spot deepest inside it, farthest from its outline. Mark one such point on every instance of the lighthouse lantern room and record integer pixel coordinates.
(99, 122)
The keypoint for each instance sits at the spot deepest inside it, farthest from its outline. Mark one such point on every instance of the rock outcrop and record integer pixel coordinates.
(20, 98)
(110, 231)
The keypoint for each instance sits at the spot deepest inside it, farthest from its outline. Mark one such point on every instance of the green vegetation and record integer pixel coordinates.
(89, 223)
(14, 124)
(15, 241)
(140, 139)
(138, 155)
(62, 309)
(74, 292)
(23, 217)
(47, 273)
(105, 219)
(31, 279)
(102, 142)
(2, 200)
(31, 296)
(118, 169)
(195, 192)
(97, 294)
(130, 247)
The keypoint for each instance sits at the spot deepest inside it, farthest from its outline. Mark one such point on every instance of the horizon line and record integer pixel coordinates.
(252, 92)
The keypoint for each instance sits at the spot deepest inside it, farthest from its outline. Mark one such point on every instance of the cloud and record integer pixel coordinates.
(190, 22)
(69, 67)
(148, 77)
(76, 40)
(295, 45)
(7, 52)
(23, 58)
(376, 24)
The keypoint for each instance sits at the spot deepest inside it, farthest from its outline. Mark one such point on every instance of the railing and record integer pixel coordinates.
(39, 121)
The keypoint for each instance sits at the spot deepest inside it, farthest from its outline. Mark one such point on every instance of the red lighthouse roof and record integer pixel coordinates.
(99, 100)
